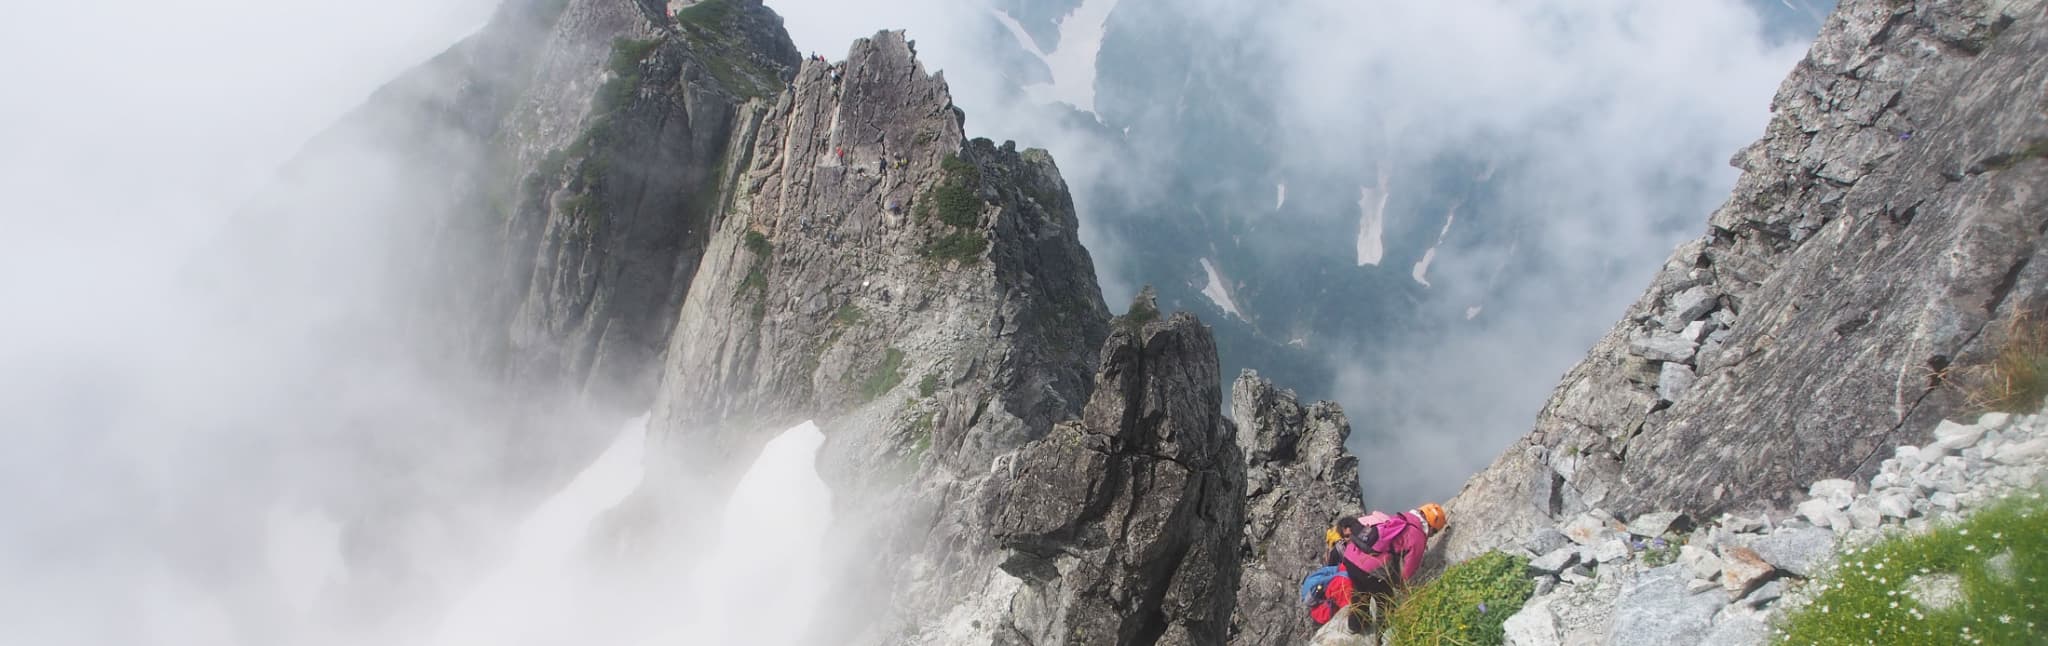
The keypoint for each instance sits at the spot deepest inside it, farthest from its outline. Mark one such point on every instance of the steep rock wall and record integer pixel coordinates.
(1884, 228)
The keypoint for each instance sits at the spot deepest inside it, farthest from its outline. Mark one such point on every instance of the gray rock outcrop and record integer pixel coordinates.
(1123, 525)
(1299, 479)
(1882, 231)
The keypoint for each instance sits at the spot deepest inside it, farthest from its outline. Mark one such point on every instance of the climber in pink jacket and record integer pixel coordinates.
(1369, 551)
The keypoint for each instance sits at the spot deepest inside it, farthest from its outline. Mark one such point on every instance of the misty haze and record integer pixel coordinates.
(465, 322)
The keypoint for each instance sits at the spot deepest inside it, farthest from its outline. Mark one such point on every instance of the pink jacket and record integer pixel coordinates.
(1403, 534)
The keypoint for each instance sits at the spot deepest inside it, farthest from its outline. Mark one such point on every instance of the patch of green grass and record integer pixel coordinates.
(709, 14)
(1467, 605)
(1863, 599)
(624, 63)
(1142, 311)
(757, 244)
(954, 203)
(847, 315)
(757, 271)
(885, 377)
(964, 246)
(929, 385)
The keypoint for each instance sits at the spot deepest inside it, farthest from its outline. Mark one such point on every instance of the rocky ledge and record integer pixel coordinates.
(1658, 580)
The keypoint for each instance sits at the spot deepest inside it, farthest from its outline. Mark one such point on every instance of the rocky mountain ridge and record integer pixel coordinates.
(1884, 233)
(668, 208)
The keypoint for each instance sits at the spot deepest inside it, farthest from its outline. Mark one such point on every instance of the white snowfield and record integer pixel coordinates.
(1421, 270)
(1072, 61)
(1372, 209)
(1217, 292)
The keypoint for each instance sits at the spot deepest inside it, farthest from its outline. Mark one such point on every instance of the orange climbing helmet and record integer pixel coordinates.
(1433, 514)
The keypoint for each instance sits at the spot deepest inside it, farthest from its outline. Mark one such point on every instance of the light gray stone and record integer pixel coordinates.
(1556, 560)
(1944, 500)
(1673, 379)
(1816, 511)
(1611, 550)
(1770, 591)
(1994, 421)
(1795, 550)
(1662, 346)
(1689, 305)
(1694, 331)
(1895, 505)
(1544, 584)
(1545, 541)
(1701, 561)
(1931, 453)
(1864, 513)
(1937, 592)
(1953, 436)
(1656, 609)
(1839, 521)
(1836, 491)
(1736, 523)
(1736, 628)
(1533, 625)
(2001, 567)
(1588, 528)
(2022, 452)
(1653, 524)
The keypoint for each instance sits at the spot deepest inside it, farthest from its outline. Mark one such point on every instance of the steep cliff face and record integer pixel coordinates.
(1883, 229)
(1122, 525)
(1299, 479)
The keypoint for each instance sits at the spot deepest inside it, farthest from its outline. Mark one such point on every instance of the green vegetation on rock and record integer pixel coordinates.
(1983, 581)
(1467, 605)
(954, 204)
(885, 377)
(716, 37)
(928, 386)
(2015, 380)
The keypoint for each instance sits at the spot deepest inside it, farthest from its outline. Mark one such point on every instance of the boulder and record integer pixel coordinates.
(1836, 491)
(1555, 561)
(1795, 550)
(1545, 541)
(2022, 452)
(1954, 437)
(1611, 550)
(1656, 609)
(1702, 561)
(1771, 590)
(1589, 528)
(1937, 592)
(1653, 524)
(1742, 569)
(1533, 625)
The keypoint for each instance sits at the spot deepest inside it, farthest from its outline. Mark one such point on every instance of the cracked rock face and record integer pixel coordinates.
(1299, 479)
(1123, 525)
(1882, 231)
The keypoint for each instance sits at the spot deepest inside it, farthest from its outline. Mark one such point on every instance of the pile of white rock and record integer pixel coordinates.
(1658, 580)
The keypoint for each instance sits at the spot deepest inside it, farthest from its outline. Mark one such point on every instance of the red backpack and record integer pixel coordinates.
(1336, 595)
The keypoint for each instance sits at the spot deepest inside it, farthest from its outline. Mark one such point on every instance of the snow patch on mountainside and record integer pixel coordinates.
(1421, 270)
(1072, 61)
(1372, 210)
(1217, 292)
(1282, 199)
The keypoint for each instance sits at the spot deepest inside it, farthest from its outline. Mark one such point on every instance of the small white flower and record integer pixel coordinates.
(2005, 619)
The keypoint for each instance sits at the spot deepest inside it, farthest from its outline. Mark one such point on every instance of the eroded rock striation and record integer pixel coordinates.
(1883, 232)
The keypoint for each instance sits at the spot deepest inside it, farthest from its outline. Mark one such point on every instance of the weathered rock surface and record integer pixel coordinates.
(1124, 525)
(1882, 230)
(1299, 479)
